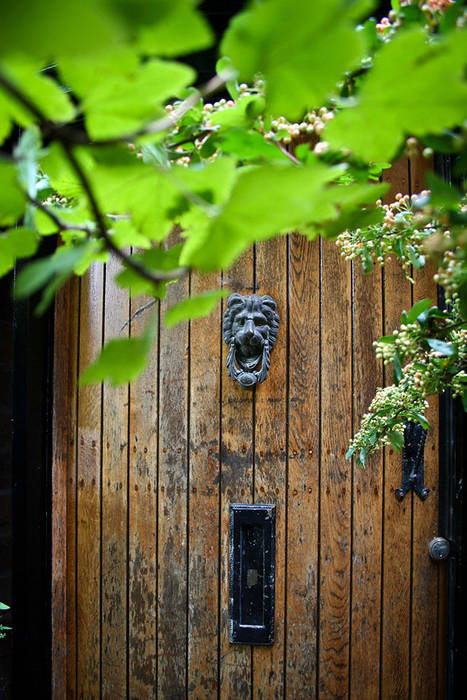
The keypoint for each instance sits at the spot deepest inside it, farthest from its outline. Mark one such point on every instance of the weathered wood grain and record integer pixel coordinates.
(353, 587)
(114, 502)
(88, 574)
(172, 517)
(335, 505)
(236, 487)
(203, 571)
(270, 458)
(397, 515)
(142, 504)
(303, 468)
(367, 494)
(63, 492)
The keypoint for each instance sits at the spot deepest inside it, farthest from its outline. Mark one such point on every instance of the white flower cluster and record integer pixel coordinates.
(312, 123)
(390, 409)
(450, 275)
(405, 340)
(401, 233)
(309, 129)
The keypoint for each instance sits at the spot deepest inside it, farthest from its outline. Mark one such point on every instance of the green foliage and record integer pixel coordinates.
(156, 260)
(414, 87)
(194, 307)
(16, 243)
(429, 350)
(12, 199)
(119, 150)
(302, 49)
(123, 359)
(123, 103)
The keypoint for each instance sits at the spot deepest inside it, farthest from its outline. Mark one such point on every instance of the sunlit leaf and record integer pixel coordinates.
(12, 199)
(300, 196)
(44, 92)
(250, 145)
(122, 359)
(301, 48)
(414, 87)
(243, 113)
(38, 273)
(155, 260)
(16, 243)
(124, 233)
(61, 174)
(26, 154)
(181, 32)
(121, 105)
(194, 307)
(49, 28)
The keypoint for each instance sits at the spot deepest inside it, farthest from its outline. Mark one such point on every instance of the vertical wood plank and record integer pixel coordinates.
(335, 509)
(367, 495)
(303, 477)
(88, 575)
(203, 572)
(236, 487)
(142, 504)
(397, 515)
(425, 514)
(114, 502)
(270, 458)
(172, 518)
(63, 492)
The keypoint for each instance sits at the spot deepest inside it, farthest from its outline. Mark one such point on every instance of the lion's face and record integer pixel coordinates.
(250, 329)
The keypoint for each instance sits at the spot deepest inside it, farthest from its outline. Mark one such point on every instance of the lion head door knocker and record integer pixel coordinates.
(251, 325)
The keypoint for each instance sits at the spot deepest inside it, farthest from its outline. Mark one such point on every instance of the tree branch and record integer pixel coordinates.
(62, 135)
(287, 153)
(138, 312)
(25, 101)
(62, 225)
(169, 121)
(154, 278)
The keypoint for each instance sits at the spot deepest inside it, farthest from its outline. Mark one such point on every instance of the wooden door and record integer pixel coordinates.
(143, 477)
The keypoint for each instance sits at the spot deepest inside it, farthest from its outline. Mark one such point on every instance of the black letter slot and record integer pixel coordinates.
(252, 571)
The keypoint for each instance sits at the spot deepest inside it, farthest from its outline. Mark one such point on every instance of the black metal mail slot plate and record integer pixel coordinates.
(252, 573)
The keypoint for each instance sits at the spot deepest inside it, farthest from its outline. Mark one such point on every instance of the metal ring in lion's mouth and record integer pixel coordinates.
(243, 376)
(246, 379)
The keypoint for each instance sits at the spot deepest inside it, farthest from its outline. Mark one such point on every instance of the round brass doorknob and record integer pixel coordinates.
(439, 548)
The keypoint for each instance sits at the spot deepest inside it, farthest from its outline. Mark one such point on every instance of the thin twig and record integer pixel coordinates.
(287, 153)
(154, 278)
(25, 101)
(68, 139)
(64, 133)
(62, 225)
(63, 137)
(138, 312)
(166, 122)
(452, 327)
(191, 139)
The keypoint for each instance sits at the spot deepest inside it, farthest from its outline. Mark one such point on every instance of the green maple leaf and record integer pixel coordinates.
(413, 88)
